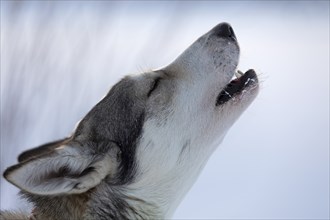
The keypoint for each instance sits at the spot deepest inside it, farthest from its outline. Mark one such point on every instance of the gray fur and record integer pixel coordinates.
(17, 215)
(117, 118)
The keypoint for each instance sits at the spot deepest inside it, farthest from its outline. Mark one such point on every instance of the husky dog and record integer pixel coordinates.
(140, 149)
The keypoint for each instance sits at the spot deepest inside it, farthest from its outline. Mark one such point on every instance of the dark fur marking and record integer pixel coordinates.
(41, 150)
(154, 86)
(118, 118)
(184, 148)
(112, 207)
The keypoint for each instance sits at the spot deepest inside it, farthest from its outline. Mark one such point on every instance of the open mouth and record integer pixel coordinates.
(243, 82)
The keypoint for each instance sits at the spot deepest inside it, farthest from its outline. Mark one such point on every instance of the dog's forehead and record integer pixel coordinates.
(114, 115)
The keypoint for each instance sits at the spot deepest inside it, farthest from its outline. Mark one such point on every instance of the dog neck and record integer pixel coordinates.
(118, 202)
(139, 200)
(57, 207)
(103, 202)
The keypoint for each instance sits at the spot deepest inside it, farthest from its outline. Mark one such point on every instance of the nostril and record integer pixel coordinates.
(231, 31)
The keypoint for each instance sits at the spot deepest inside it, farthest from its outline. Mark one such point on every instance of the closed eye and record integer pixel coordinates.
(154, 86)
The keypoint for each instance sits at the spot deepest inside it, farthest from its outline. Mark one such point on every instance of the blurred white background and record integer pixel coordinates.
(59, 58)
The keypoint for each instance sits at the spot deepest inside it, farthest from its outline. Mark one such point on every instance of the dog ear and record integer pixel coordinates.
(66, 170)
(43, 149)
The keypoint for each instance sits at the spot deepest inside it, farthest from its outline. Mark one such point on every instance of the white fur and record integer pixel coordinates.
(192, 120)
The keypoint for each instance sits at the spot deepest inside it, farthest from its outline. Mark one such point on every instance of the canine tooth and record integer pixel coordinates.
(238, 73)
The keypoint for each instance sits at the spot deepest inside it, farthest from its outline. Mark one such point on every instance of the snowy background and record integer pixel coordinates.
(59, 58)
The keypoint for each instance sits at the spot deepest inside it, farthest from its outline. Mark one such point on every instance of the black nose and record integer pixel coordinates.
(225, 30)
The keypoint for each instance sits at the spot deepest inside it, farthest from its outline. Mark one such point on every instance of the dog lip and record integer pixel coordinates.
(237, 86)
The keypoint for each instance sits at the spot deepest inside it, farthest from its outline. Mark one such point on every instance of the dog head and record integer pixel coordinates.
(152, 133)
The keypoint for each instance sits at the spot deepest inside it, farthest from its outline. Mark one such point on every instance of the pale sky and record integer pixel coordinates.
(59, 59)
